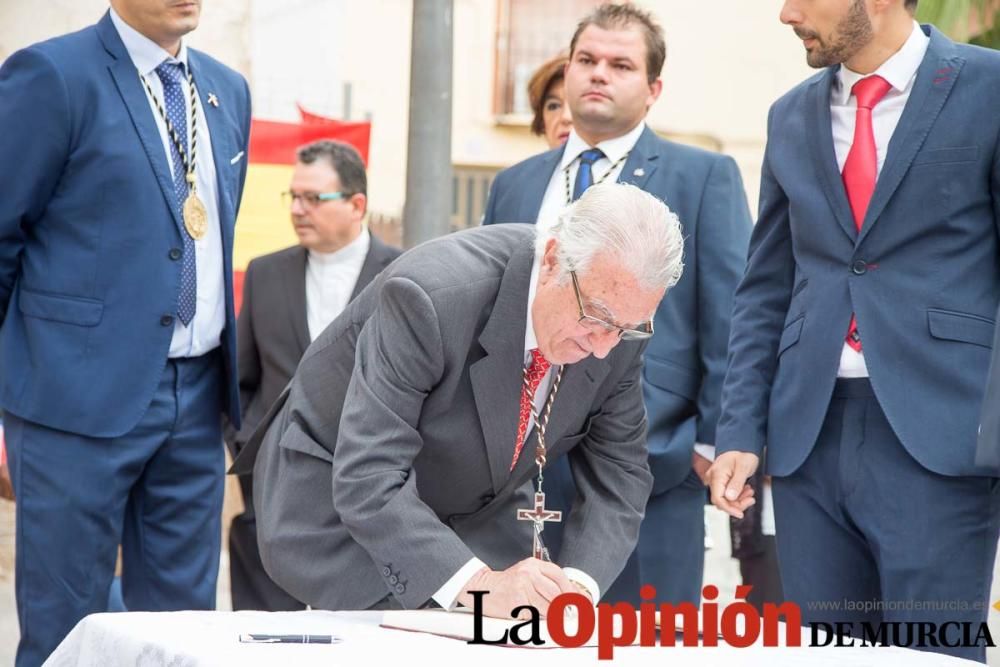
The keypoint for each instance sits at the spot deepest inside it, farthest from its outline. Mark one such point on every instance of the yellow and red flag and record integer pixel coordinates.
(263, 225)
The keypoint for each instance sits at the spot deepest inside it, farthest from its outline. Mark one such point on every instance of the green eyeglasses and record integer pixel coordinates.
(311, 199)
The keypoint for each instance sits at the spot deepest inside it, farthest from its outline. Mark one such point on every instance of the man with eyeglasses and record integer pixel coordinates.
(289, 297)
(395, 464)
(612, 80)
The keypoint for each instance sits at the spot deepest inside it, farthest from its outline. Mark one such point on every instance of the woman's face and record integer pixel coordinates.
(555, 115)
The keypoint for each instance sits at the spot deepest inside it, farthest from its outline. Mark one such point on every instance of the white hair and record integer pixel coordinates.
(630, 224)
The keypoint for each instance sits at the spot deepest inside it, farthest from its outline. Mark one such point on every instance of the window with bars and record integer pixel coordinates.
(529, 32)
(470, 186)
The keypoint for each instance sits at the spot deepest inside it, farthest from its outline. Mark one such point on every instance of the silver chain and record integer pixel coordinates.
(569, 191)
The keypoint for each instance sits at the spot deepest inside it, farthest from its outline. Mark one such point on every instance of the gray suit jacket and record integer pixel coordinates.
(686, 359)
(385, 467)
(272, 333)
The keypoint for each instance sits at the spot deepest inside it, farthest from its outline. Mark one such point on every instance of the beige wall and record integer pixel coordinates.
(224, 30)
(727, 61)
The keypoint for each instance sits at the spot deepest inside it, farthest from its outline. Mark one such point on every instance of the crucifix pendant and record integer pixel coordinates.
(539, 515)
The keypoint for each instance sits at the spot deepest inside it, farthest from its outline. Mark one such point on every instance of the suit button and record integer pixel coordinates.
(166, 320)
(175, 254)
(859, 267)
(400, 589)
(394, 580)
(386, 571)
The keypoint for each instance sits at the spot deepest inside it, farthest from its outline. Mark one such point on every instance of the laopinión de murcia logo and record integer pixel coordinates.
(572, 621)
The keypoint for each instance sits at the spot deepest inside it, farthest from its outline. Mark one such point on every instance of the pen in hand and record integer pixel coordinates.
(248, 638)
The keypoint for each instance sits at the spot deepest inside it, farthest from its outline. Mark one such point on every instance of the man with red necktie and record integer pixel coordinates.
(861, 331)
(391, 472)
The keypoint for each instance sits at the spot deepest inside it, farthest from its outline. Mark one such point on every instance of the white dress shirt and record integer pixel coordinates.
(330, 280)
(204, 332)
(900, 71)
(614, 151)
(447, 594)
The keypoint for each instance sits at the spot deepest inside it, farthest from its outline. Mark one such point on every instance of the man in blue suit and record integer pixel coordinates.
(123, 155)
(612, 79)
(861, 331)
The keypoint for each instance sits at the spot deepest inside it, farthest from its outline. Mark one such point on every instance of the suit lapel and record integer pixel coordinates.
(294, 283)
(577, 388)
(219, 133)
(935, 79)
(130, 88)
(496, 378)
(641, 162)
(374, 262)
(580, 383)
(535, 182)
(820, 130)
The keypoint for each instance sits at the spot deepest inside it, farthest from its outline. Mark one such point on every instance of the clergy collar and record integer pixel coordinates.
(356, 249)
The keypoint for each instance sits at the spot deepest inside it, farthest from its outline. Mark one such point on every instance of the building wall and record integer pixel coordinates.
(727, 61)
(224, 30)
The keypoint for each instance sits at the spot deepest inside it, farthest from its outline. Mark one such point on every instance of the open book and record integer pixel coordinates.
(461, 624)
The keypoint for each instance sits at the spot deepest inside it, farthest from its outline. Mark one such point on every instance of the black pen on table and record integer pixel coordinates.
(248, 638)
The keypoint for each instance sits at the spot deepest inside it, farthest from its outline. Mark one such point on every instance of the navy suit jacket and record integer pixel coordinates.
(685, 360)
(923, 275)
(87, 224)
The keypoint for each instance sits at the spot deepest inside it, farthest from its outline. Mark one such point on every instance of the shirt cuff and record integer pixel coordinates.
(767, 509)
(447, 595)
(705, 451)
(585, 580)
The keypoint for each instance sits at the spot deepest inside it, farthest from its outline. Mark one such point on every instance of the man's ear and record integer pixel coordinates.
(359, 202)
(655, 89)
(550, 261)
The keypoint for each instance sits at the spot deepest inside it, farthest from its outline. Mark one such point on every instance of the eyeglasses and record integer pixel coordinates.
(642, 332)
(311, 199)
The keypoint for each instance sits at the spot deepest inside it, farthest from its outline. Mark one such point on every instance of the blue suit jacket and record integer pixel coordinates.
(86, 229)
(923, 275)
(685, 360)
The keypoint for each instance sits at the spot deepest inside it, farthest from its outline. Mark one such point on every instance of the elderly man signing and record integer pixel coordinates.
(391, 474)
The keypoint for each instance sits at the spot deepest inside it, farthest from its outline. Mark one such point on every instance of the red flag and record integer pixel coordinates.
(272, 142)
(310, 118)
(263, 226)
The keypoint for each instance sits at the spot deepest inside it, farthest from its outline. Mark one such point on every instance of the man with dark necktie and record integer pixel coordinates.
(123, 155)
(612, 79)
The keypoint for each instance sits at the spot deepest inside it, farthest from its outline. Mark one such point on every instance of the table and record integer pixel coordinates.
(203, 638)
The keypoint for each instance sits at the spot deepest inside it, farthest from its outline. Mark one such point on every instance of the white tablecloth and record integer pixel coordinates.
(190, 638)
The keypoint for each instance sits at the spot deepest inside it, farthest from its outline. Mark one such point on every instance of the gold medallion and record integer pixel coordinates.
(195, 217)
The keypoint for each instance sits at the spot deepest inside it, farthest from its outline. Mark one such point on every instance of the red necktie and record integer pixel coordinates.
(861, 168)
(536, 371)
